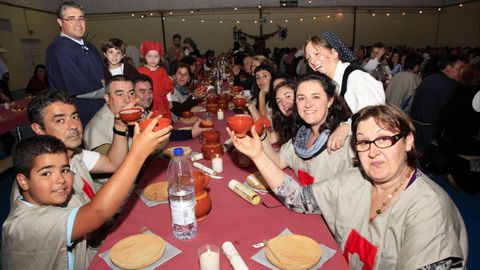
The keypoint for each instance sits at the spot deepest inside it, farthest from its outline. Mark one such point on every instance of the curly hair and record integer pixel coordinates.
(284, 125)
(338, 111)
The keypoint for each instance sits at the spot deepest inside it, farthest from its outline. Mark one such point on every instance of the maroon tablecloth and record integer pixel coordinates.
(10, 119)
(231, 218)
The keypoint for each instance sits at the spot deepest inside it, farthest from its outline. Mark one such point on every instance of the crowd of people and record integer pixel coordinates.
(350, 124)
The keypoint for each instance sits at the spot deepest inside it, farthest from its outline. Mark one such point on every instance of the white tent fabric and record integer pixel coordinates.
(114, 6)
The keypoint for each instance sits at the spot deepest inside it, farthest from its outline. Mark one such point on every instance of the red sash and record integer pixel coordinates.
(304, 178)
(366, 252)
(88, 189)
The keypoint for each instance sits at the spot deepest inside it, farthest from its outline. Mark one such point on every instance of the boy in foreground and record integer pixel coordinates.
(40, 232)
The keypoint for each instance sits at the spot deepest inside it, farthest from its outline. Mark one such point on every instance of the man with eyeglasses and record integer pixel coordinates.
(73, 64)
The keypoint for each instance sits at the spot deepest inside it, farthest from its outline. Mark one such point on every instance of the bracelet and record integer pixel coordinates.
(120, 133)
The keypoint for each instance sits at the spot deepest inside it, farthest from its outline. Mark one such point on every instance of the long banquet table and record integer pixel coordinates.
(231, 218)
(10, 119)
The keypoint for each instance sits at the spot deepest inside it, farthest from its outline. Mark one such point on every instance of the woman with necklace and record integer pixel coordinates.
(317, 110)
(386, 215)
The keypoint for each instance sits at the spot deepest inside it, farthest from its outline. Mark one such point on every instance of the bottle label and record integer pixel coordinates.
(183, 213)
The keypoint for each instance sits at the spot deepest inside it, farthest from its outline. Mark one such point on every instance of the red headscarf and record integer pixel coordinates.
(151, 46)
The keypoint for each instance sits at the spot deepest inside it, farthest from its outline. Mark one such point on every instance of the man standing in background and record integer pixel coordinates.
(73, 64)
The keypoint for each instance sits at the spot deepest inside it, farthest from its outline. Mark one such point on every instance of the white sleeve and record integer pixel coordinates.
(363, 90)
(90, 159)
(476, 102)
(370, 65)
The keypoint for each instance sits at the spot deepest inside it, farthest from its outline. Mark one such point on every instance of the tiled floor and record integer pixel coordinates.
(468, 204)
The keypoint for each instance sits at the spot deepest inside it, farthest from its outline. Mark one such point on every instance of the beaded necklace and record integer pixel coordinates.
(382, 207)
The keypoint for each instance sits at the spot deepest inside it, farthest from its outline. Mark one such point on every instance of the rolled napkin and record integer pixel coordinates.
(232, 255)
(204, 168)
(244, 192)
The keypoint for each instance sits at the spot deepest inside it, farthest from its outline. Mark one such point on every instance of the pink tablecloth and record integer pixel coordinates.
(9, 119)
(231, 219)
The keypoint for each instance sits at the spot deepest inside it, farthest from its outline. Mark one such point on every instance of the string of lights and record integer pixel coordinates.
(212, 16)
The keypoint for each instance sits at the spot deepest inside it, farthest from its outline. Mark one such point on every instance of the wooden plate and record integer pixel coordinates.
(257, 181)
(157, 192)
(188, 121)
(294, 252)
(197, 109)
(137, 251)
(169, 151)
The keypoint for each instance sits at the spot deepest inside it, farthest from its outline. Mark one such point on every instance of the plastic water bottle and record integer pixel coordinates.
(181, 193)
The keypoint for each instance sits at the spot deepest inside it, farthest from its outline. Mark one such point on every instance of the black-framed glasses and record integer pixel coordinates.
(381, 142)
(74, 19)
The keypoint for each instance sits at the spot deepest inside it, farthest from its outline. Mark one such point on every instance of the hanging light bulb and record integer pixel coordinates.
(388, 14)
(191, 11)
(420, 12)
(202, 21)
(286, 20)
(170, 13)
(314, 18)
(151, 13)
(183, 20)
(403, 13)
(133, 14)
(221, 21)
(461, 5)
(301, 19)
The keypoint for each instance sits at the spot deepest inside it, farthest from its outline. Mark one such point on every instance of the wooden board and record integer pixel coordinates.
(137, 251)
(156, 192)
(169, 151)
(188, 121)
(257, 181)
(293, 251)
(197, 109)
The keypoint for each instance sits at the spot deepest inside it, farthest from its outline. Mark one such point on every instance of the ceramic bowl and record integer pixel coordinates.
(240, 124)
(187, 114)
(236, 89)
(211, 99)
(239, 102)
(130, 114)
(210, 135)
(161, 124)
(205, 123)
(212, 108)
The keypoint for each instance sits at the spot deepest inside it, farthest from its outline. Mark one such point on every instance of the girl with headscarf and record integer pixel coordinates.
(327, 54)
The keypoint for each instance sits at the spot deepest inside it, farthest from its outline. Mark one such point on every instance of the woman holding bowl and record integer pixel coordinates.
(385, 215)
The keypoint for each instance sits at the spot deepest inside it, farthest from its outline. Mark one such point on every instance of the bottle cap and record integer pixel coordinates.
(178, 151)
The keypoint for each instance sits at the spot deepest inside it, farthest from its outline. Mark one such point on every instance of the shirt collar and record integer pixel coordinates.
(80, 42)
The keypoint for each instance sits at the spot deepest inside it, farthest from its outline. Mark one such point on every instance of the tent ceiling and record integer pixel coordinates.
(115, 6)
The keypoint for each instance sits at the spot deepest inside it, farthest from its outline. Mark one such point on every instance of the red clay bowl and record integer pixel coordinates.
(239, 102)
(204, 123)
(161, 124)
(130, 114)
(240, 124)
(212, 107)
(236, 89)
(187, 114)
(210, 135)
(211, 99)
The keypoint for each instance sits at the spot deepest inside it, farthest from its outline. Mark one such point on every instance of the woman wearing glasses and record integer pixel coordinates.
(386, 215)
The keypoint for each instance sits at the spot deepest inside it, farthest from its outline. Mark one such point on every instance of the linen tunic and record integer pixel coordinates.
(37, 238)
(319, 168)
(362, 89)
(422, 226)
